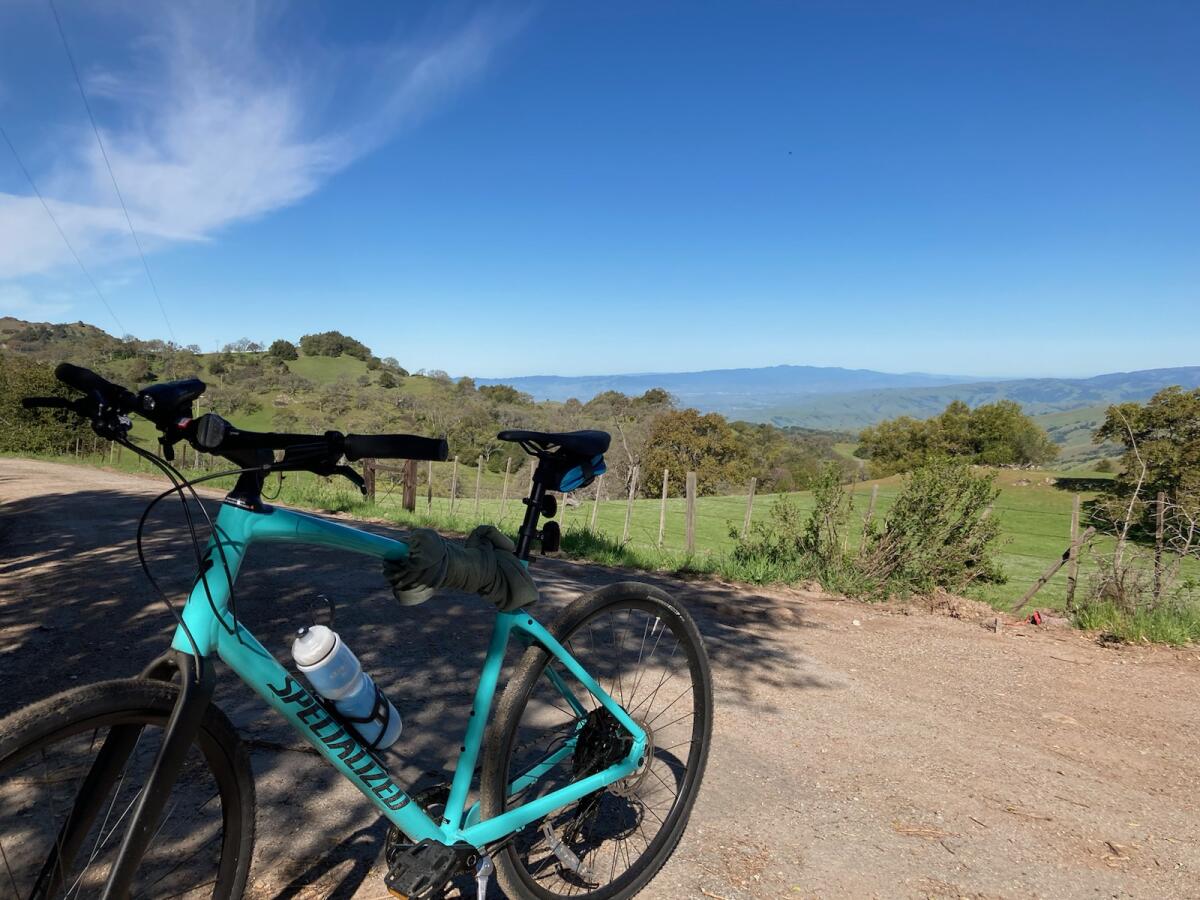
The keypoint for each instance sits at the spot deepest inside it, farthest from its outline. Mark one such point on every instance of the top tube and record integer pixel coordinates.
(236, 529)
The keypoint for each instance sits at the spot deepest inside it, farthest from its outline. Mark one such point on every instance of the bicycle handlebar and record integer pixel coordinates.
(106, 403)
(88, 382)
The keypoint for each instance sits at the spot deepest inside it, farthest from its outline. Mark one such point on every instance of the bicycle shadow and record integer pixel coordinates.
(75, 608)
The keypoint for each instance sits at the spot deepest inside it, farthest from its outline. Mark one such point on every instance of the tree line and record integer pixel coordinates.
(261, 385)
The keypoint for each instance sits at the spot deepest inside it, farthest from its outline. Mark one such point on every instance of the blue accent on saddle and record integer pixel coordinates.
(582, 474)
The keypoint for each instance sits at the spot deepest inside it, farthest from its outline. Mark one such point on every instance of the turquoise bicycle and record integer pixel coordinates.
(578, 784)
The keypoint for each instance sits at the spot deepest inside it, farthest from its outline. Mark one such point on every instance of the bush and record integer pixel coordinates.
(938, 533)
(334, 343)
(790, 546)
(282, 349)
(34, 431)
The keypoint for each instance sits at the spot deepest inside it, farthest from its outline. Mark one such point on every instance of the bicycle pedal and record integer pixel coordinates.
(421, 870)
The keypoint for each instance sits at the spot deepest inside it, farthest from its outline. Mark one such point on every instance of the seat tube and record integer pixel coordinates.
(533, 510)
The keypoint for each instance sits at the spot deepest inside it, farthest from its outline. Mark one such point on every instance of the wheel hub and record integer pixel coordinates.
(604, 742)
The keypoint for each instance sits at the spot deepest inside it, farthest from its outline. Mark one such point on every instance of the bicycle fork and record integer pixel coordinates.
(196, 690)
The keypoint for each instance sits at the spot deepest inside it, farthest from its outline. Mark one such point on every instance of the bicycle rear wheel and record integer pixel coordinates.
(105, 736)
(646, 652)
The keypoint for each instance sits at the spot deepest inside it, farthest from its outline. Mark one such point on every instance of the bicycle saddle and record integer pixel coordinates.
(562, 445)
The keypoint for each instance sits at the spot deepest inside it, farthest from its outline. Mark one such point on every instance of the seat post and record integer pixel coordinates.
(533, 510)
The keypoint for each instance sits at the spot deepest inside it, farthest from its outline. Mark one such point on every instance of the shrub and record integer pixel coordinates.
(790, 546)
(333, 343)
(282, 349)
(34, 431)
(938, 533)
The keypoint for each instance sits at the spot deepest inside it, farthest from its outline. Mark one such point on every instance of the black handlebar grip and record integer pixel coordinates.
(89, 382)
(45, 403)
(395, 446)
(82, 379)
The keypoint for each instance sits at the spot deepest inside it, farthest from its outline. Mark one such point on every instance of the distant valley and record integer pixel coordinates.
(836, 399)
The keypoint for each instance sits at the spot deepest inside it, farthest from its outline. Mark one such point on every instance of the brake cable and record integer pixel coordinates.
(202, 572)
(178, 484)
(145, 564)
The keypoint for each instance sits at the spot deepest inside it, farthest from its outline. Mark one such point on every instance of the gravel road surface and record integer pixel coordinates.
(858, 751)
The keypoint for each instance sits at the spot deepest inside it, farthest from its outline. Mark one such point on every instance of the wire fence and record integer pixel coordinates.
(671, 526)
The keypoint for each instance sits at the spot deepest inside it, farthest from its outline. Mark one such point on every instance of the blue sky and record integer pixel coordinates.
(985, 188)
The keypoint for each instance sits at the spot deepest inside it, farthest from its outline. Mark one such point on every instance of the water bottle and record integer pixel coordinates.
(336, 674)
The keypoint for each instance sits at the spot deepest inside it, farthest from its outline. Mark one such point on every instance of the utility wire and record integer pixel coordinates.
(62, 234)
(104, 153)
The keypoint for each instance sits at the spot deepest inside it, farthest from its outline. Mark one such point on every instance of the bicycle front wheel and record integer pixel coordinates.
(645, 651)
(72, 768)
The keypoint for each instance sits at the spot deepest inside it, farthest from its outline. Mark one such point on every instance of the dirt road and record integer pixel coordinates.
(858, 752)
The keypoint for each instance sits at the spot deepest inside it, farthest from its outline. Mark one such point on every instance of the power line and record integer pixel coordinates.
(104, 153)
(62, 234)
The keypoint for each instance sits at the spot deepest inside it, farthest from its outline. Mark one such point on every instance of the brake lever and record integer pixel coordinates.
(47, 403)
(353, 476)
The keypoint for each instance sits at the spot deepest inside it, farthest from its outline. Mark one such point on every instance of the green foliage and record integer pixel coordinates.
(503, 393)
(285, 350)
(994, 434)
(33, 431)
(1176, 623)
(333, 343)
(337, 390)
(938, 532)
(790, 545)
(683, 441)
(1164, 435)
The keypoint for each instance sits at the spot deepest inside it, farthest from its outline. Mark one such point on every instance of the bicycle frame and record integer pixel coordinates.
(214, 630)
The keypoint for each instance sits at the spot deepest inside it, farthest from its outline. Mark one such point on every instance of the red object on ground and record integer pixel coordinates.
(1036, 618)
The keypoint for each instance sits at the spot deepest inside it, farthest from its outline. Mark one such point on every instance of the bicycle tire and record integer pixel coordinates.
(511, 871)
(146, 704)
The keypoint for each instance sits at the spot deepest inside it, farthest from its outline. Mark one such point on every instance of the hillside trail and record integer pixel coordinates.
(859, 751)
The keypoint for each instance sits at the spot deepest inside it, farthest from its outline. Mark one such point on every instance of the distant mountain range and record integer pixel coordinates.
(722, 389)
(847, 399)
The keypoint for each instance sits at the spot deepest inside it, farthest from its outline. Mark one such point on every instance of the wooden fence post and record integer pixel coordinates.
(478, 479)
(662, 510)
(369, 479)
(504, 490)
(869, 516)
(1049, 573)
(596, 502)
(849, 509)
(453, 485)
(410, 485)
(429, 488)
(749, 507)
(1073, 562)
(1160, 515)
(633, 480)
(691, 512)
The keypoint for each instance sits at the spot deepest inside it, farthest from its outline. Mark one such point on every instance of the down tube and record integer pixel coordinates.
(271, 681)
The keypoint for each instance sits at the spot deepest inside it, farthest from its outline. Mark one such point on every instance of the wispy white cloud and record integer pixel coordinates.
(219, 125)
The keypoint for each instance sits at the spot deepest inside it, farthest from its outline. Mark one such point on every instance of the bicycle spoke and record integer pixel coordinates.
(12, 878)
(642, 672)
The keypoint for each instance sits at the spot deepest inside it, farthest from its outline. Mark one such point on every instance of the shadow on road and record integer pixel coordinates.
(75, 608)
